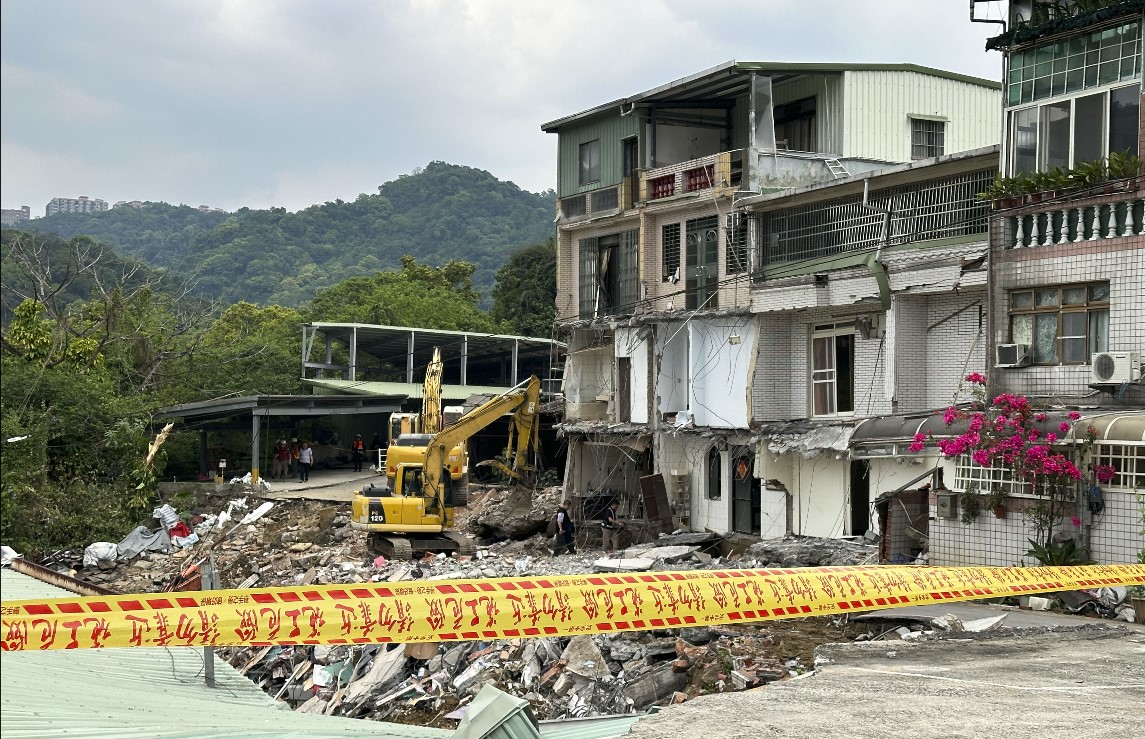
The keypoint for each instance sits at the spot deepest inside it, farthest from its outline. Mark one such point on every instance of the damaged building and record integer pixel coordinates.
(773, 276)
(753, 259)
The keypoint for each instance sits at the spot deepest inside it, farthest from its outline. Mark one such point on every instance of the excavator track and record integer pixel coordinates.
(394, 548)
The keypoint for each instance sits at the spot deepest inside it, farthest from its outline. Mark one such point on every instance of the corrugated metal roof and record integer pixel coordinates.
(602, 727)
(149, 692)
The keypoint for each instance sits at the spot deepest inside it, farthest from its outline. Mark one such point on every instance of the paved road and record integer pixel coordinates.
(1031, 684)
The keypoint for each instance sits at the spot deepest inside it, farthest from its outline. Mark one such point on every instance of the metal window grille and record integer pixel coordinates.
(1127, 459)
(969, 476)
(589, 261)
(577, 205)
(670, 250)
(1103, 57)
(926, 138)
(933, 209)
(605, 199)
(735, 250)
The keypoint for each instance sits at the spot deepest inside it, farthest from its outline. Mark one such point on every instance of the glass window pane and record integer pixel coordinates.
(1098, 331)
(1108, 72)
(824, 403)
(1073, 295)
(1089, 128)
(1022, 300)
(823, 357)
(1022, 330)
(1074, 80)
(1047, 297)
(1045, 337)
(1055, 135)
(1073, 324)
(1099, 293)
(1025, 136)
(1073, 350)
(1124, 105)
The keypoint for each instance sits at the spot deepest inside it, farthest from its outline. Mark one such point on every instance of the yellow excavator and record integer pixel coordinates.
(416, 513)
(410, 432)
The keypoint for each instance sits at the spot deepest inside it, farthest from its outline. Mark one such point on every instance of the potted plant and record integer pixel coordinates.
(996, 502)
(970, 506)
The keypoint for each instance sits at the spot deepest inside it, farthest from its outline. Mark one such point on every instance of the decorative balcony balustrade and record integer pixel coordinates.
(1072, 223)
(695, 175)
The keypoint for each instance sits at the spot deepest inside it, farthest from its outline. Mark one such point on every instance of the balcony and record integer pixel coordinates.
(1077, 220)
(723, 170)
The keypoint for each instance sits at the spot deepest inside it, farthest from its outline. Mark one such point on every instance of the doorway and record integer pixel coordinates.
(860, 497)
(624, 388)
(747, 512)
(701, 244)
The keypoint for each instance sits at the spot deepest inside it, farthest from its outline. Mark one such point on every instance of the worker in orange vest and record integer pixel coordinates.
(358, 452)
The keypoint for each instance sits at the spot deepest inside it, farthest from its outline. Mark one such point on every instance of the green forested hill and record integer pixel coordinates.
(270, 256)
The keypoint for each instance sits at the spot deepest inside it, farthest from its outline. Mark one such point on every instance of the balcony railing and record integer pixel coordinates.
(695, 175)
(1072, 223)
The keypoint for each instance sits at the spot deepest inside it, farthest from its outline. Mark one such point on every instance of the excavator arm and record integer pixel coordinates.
(522, 401)
(431, 395)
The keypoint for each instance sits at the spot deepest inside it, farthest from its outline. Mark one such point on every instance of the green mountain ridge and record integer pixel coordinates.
(270, 256)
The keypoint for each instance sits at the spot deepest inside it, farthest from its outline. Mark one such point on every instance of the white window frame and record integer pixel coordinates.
(1071, 98)
(585, 169)
(829, 376)
(917, 124)
(1127, 458)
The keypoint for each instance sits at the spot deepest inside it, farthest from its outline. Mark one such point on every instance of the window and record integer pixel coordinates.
(670, 251)
(715, 475)
(1061, 325)
(701, 263)
(609, 274)
(833, 369)
(969, 476)
(1065, 133)
(590, 162)
(795, 125)
(1103, 57)
(735, 251)
(926, 138)
(1127, 459)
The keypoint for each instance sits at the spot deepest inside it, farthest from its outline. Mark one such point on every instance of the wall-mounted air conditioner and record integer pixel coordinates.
(1011, 355)
(1110, 367)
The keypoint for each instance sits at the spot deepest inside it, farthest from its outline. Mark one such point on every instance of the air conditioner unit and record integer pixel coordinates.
(1011, 355)
(1111, 367)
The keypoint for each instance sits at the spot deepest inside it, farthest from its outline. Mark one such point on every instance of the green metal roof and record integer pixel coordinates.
(601, 727)
(732, 78)
(148, 692)
(411, 389)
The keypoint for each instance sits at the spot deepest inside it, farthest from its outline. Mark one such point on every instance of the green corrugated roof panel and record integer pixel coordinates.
(412, 389)
(602, 727)
(148, 692)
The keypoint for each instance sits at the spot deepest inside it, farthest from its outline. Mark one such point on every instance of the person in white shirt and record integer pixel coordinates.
(305, 460)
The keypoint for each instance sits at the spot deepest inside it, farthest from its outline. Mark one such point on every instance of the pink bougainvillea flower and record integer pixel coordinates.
(1064, 427)
(1074, 415)
(1040, 417)
(1075, 520)
(1104, 473)
(976, 378)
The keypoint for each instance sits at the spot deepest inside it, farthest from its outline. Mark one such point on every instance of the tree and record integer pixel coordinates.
(420, 296)
(525, 292)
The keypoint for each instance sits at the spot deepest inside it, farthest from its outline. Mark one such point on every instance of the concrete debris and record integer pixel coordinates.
(621, 564)
(800, 551)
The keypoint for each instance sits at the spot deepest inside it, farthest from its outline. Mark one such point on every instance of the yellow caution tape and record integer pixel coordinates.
(370, 613)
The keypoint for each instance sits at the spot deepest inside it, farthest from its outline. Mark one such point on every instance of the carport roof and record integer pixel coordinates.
(283, 405)
(393, 341)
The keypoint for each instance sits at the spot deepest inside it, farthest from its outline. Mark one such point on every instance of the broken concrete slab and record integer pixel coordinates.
(655, 685)
(629, 564)
(387, 666)
(585, 659)
(663, 554)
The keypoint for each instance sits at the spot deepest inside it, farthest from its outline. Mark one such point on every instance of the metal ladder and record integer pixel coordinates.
(838, 171)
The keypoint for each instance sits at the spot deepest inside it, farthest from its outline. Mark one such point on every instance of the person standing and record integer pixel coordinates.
(610, 527)
(281, 460)
(305, 459)
(358, 452)
(565, 530)
(295, 449)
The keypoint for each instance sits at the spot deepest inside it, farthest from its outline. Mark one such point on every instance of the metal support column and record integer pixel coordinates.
(254, 429)
(409, 359)
(353, 371)
(465, 359)
(516, 351)
(210, 581)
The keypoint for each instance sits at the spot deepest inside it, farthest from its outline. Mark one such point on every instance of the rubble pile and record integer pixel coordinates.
(805, 551)
(577, 677)
(511, 513)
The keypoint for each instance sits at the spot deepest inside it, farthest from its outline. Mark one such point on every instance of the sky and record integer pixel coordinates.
(288, 103)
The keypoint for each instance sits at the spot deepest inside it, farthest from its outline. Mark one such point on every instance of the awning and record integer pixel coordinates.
(1123, 426)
